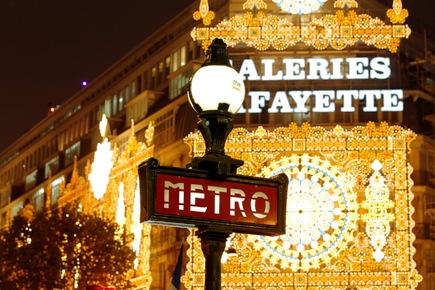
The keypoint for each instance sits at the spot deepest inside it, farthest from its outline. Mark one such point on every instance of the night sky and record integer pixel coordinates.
(49, 47)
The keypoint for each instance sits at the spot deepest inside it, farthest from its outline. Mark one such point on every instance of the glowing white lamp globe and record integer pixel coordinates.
(216, 92)
(216, 86)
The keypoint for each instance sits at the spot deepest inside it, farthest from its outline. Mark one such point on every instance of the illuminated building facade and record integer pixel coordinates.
(144, 95)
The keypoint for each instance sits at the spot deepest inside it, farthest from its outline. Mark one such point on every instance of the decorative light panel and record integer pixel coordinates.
(261, 30)
(377, 204)
(321, 214)
(335, 228)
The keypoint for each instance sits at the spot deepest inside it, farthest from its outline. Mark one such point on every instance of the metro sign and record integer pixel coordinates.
(191, 198)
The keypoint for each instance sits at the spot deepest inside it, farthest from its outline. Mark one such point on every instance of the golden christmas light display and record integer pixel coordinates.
(334, 237)
(331, 240)
(100, 171)
(120, 199)
(259, 29)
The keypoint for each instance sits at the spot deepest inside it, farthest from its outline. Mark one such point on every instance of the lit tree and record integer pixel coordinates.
(64, 249)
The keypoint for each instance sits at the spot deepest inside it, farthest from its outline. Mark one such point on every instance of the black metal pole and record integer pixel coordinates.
(212, 245)
(215, 126)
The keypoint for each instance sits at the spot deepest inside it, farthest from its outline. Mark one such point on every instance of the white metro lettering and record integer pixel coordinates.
(232, 201)
(254, 205)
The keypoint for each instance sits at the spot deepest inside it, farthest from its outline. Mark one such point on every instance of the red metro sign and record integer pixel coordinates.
(190, 198)
(211, 199)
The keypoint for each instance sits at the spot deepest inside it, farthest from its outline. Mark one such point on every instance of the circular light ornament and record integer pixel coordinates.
(299, 6)
(216, 85)
(321, 214)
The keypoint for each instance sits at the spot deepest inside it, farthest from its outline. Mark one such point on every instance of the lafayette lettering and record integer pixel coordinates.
(392, 101)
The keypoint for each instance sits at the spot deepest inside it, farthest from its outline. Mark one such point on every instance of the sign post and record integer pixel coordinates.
(215, 204)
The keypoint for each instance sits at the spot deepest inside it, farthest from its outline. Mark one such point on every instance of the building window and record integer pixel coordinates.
(199, 51)
(76, 129)
(87, 124)
(138, 85)
(55, 189)
(161, 67)
(178, 85)
(164, 128)
(99, 113)
(71, 133)
(161, 75)
(120, 100)
(133, 89)
(72, 152)
(5, 195)
(52, 165)
(190, 51)
(183, 56)
(138, 110)
(146, 80)
(168, 64)
(96, 117)
(66, 135)
(31, 179)
(127, 94)
(16, 209)
(153, 76)
(114, 104)
(179, 58)
(107, 107)
(174, 61)
(37, 200)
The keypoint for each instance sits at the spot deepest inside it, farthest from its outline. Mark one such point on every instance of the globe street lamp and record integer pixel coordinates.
(216, 92)
(209, 195)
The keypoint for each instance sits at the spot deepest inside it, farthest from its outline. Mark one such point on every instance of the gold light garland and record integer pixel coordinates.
(377, 204)
(120, 207)
(299, 6)
(204, 13)
(321, 214)
(260, 30)
(103, 163)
